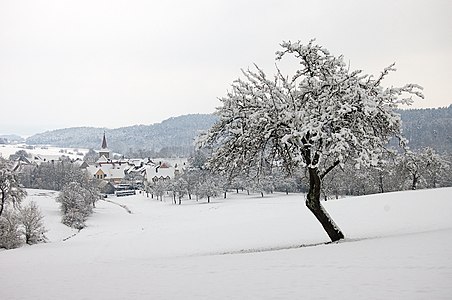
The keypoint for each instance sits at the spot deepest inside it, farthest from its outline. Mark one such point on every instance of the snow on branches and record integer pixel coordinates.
(320, 117)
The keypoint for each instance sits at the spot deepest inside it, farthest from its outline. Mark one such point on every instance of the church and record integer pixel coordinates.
(104, 149)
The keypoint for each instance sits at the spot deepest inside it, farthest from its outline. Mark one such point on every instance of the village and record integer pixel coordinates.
(116, 174)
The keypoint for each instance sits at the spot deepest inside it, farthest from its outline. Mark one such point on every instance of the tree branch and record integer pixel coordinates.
(329, 169)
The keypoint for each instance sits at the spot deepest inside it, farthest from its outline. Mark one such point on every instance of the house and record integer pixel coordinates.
(162, 171)
(106, 187)
(110, 171)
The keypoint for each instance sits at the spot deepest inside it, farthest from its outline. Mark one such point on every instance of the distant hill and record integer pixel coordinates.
(428, 127)
(175, 134)
(10, 138)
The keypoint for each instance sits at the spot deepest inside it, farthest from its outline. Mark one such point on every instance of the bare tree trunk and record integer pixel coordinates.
(313, 203)
(2, 202)
(414, 184)
(382, 190)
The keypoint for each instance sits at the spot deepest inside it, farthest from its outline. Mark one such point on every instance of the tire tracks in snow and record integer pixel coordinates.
(299, 246)
(121, 205)
(71, 236)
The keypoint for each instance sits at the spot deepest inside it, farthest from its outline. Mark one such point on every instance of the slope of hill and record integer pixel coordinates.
(174, 132)
(244, 247)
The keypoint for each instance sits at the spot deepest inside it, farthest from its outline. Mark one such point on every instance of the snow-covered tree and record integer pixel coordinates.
(159, 188)
(54, 175)
(209, 187)
(178, 187)
(31, 219)
(423, 168)
(91, 156)
(10, 190)
(76, 204)
(192, 177)
(10, 234)
(435, 167)
(320, 117)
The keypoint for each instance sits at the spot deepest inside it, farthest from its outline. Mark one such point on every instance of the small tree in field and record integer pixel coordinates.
(10, 233)
(31, 219)
(76, 205)
(320, 117)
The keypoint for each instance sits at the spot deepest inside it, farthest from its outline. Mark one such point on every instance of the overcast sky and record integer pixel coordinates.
(118, 63)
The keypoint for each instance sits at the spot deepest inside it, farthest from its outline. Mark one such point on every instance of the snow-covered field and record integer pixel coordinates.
(398, 246)
(47, 152)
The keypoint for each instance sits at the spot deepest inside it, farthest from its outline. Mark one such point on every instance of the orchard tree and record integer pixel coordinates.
(320, 117)
(178, 187)
(435, 167)
(424, 168)
(208, 187)
(159, 188)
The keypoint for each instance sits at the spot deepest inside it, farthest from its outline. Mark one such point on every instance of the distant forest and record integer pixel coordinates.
(176, 136)
(172, 137)
(431, 127)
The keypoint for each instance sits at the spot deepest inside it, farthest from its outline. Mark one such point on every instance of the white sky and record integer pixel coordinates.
(118, 63)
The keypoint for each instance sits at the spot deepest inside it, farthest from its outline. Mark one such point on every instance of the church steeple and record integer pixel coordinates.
(104, 150)
(104, 142)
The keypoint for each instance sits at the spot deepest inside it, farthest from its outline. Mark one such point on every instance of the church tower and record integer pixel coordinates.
(104, 149)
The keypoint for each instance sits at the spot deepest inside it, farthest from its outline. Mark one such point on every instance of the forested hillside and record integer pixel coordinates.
(175, 136)
(431, 127)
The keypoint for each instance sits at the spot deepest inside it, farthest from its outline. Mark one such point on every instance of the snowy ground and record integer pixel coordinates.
(398, 246)
(47, 152)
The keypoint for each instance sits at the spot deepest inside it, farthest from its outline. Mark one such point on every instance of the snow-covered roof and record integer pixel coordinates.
(152, 172)
(112, 171)
(102, 159)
